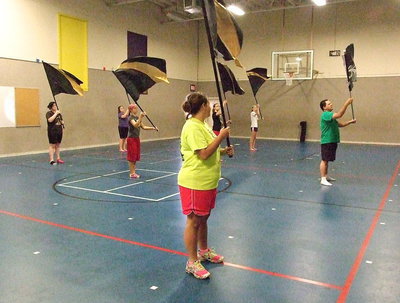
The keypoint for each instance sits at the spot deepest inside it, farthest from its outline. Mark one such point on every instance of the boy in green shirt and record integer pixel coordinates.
(330, 135)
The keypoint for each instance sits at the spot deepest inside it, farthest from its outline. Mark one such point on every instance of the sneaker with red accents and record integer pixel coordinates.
(197, 270)
(59, 161)
(210, 255)
(134, 176)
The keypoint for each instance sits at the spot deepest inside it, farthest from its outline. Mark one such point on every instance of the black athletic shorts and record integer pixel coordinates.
(328, 151)
(55, 135)
(254, 129)
(123, 132)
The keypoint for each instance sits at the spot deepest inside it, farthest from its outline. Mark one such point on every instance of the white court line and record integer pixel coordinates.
(116, 173)
(167, 197)
(96, 177)
(167, 160)
(119, 172)
(171, 174)
(108, 193)
(123, 186)
(91, 178)
(158, 171)
(133, 184)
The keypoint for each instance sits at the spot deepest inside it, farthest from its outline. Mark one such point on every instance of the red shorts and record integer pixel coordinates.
(199, 202)
(133, 146)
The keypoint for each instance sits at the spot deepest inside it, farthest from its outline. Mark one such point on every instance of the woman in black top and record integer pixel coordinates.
(55, 124)
(216, 116)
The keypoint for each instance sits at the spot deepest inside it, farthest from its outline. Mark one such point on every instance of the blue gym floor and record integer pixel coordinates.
(84, 232)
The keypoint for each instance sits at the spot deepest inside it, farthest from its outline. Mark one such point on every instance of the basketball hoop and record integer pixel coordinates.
(289, 78)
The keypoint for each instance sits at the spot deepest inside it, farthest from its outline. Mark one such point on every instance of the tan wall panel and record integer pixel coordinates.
(27, 107)
(92, 119)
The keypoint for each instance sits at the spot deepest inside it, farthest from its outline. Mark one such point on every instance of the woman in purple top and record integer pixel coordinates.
(123, 125)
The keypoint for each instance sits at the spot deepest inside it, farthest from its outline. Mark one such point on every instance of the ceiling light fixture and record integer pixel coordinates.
(235, 10)
(319, 2)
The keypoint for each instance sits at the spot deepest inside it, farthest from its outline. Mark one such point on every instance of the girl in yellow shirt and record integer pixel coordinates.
(198, 180)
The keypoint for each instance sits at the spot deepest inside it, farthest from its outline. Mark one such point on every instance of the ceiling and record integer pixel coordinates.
(174, 9)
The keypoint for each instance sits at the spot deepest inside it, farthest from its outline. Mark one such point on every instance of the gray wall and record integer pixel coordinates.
(90, 120)
(376, 108)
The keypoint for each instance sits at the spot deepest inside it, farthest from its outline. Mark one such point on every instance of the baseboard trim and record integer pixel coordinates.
(313, 140)
(77, 147)
(171, 138)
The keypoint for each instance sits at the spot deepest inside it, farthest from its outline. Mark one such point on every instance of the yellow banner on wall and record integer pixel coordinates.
(73, 47)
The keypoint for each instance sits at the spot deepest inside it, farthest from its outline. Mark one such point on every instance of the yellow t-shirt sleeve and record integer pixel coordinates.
(196, 140)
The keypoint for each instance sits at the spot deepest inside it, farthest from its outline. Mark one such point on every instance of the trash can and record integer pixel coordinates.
(303, 130)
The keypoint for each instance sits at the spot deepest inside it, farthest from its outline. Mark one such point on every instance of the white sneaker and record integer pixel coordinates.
(325, 182)
(330, 179)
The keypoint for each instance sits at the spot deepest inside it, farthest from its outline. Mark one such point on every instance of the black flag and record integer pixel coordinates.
(62, 81)
(351, 70)
(226, 35)
(138, 74)
(257, 76)
(228, 80)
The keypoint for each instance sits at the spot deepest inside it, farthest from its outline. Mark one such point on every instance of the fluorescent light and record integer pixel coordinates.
(319, 2)
(298, 59)
(235, 10)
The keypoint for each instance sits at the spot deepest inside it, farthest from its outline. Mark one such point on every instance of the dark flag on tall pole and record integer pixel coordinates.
(228, 80)
(225, 33)
(351, 71)
(257, 76)
(221, 26)
(138, 74)
(229, 83)
(62, 81)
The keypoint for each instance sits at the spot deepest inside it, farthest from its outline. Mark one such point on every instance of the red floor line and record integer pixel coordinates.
(168, 250)
(356, 265)
(270, 273)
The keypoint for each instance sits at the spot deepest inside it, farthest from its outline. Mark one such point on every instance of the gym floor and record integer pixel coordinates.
(84, 232)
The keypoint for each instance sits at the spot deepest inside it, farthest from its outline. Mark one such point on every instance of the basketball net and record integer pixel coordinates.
(289, 78)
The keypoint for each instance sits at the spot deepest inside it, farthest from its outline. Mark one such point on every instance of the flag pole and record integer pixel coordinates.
(259, 108)
(212, 54)
(352, 109)
(55, 101)
(142, 111)
(227, 108)
(129, 101)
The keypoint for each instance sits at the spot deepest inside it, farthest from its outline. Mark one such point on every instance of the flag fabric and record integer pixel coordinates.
(138, 74)
(62, 81)
(228, 80)
(226, 35)
(257, 76)
(351, 70)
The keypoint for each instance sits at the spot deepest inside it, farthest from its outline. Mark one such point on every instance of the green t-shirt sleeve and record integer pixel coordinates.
(327, 116)
(196, 140)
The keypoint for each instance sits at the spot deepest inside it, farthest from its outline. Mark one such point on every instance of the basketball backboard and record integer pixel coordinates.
(297, 63)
